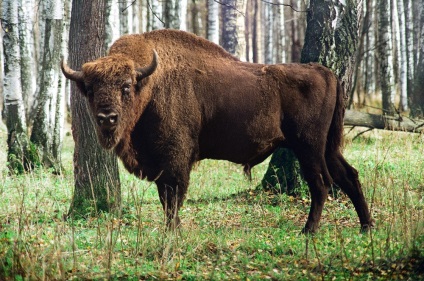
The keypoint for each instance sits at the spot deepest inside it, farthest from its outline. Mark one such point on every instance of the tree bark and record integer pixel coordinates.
(417, 94)
(97, 186)
(229, 39)
(385, 56)
(49, 95)
(212, 27)
(383, 122)
(19, 153)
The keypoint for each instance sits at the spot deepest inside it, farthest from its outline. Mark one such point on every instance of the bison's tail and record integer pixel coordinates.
(335, 134)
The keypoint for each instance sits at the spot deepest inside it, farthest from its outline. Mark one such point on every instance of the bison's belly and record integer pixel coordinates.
(238, 149)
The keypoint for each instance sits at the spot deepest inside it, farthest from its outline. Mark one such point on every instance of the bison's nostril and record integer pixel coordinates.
(107, 120)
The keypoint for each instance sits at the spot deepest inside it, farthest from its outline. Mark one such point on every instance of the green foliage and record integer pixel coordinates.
(230, 230)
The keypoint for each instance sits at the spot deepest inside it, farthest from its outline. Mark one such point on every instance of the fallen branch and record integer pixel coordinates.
(383, 122)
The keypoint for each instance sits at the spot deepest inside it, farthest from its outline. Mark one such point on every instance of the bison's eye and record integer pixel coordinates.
(126, 90)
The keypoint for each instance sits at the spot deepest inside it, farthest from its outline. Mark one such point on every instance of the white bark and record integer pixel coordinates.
(267, 32)
(112, 23)
(409, 24)
(51, 98)
(240, 28)
(183, 15)
(229, 33)
(212, 33)
(278, 31)
(26, 43)
(156, 10)
(12, 89)
(402, 61)
(125, 20)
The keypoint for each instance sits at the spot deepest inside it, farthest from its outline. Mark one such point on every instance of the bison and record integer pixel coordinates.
(165, 99)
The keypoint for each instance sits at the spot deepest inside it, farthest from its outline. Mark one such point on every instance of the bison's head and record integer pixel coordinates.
(113, 86)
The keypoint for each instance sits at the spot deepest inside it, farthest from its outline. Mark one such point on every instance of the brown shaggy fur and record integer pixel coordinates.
(202, 102)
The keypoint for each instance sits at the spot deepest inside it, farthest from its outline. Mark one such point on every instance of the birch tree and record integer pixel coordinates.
(50, 110)
(229, 35)
(417, 96)
(26, 45)
(268, 33)
(212, 33)
(113, 29)
(97, 186)
(19, 153)
(385, 56)
(401, 58)
(171, 14)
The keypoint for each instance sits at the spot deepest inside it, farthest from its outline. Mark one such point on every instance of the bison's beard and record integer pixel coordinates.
(108, 139)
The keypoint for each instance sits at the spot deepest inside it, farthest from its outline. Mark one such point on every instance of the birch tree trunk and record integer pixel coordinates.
(267, 33)
(229, 36)
(240, 29)
(212, 27)
(385, 56)
(125, 20)
(28, 63)
(183, 15)
(171, 14)
(97, 186)
(112, 23)
(49, 95)
(409, 38)
(417, 106)
(156, 11)
(19, 151)
(402, 61)
(331, 39)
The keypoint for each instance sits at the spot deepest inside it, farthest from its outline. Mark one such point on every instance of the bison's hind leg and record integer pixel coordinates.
(346, 177)
(319, 181)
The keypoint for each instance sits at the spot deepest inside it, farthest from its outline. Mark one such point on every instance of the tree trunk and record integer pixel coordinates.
(417, 105)
(19, 153)
(331, 39)
(112, 23)
(183, 14)
(383, 122)
(385, 57)
(97, 186)
(28, 64)
(255, 36)
(212, 33)
(240, 28)
(45, 120)
(409, 38)
(267, 33)
(171, 14)
(229, 39)
(402, 61)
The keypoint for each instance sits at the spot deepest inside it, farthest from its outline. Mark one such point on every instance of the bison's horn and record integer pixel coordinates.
(70, 73)
(148, 70)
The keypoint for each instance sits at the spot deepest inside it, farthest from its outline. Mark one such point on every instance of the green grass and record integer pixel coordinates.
(230, 230)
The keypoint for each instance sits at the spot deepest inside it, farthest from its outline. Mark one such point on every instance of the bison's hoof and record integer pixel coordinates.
(308, 231)
(367, 227)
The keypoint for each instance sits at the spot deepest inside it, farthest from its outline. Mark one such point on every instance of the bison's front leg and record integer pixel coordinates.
(172, 190)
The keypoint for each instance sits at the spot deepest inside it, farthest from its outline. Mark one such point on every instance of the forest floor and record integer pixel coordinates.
(230, 229)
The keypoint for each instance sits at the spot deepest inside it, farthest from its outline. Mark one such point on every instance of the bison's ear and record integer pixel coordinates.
(148, 70)
(73, 75)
